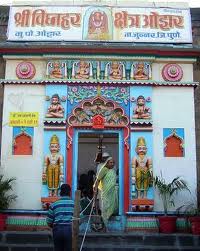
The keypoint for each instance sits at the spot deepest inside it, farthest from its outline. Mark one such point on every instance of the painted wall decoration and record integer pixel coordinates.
(83, 115)
(140, 106)
(82, 70)
(115, 71)
(98, 24)
(25, 70)
(56, 69)
(141, 71)
(23, 140)
(55, 110)
(53, 167)
(77, 94)
(172, 72)
(141, 111)
(101, 70)
(173, 142)
(55, 106)
(141, 170)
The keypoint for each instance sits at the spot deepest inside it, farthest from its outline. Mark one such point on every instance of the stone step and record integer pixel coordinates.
(145, 239)
(147, 248)
(26, 247)
(118, 241)
(27, 237)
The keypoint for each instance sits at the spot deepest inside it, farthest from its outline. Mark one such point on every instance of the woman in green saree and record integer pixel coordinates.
(106, 182)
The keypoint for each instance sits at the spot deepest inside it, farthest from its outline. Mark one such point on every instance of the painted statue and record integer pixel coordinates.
(98, 26)
(55, 110)
(141, 169)
(56, 71)
(140, 72)
(53, 167)
(141, 111)
(116, 71)
(83, 70)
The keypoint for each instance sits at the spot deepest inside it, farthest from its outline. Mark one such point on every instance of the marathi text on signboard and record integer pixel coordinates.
(164, 25)
(28, 119)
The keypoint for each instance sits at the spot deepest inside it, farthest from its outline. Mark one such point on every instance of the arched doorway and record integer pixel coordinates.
(87, 121)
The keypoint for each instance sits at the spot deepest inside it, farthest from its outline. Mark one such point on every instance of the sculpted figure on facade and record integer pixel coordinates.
(53, 167)
(116, 71)
(55, 109)
(98, 27)
(56, 71)
(141, 111)
(83, 70)
(141, 169)
(140, 72)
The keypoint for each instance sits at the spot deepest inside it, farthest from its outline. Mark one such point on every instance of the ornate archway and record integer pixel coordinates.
(99, 114)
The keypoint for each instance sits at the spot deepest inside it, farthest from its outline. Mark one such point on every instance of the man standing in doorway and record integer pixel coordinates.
(59, 218)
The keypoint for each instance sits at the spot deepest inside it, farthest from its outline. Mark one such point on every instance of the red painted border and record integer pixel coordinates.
(69, 158)
(114, 50)
(126, 173)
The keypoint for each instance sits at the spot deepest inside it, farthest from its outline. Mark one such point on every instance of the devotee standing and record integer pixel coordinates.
(59, 218)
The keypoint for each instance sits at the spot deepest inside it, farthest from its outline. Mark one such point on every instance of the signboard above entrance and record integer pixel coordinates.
(117, 24)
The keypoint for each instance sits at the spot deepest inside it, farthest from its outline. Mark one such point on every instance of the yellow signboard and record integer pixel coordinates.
(28, 119)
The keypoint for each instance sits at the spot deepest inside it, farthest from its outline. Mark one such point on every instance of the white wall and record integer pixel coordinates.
(174, 108)
(27, 169)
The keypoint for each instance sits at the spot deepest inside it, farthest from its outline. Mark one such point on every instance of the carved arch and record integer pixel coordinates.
(174, 145)
(98, 110)
(22, 144)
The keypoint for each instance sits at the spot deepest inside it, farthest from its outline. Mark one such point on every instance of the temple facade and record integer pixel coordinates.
(62, 99)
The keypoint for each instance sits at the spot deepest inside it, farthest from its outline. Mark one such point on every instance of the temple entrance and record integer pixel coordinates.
(87, 150)
(94, 117)
(85, 153)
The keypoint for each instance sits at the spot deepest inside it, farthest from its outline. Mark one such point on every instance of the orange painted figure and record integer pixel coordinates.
(141, 111)
(55, 110)
(116, 71)
(141, 169)
(98, 26)
(83, 70)
(56, 72)
(140, 72)
(53, 167)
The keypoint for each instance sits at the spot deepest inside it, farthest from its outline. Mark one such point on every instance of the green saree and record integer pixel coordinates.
(109, 192)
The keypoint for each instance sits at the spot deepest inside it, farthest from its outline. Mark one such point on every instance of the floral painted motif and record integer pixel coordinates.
(118, 94)
(172, 72)
(25, 70)
(78, 93)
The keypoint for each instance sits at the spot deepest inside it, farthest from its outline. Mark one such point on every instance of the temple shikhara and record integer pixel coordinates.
(84, 80)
